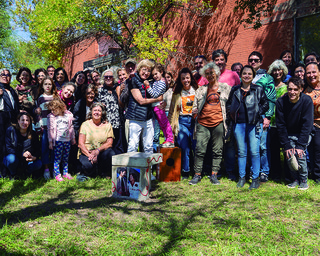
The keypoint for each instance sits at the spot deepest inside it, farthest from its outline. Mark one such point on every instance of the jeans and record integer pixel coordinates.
(203, 136)
(314, 153)
(303, 170)
(156, 140)
(248, 137)
(46, 153)
(185, 141)
(12, 162)
(135, 129)
(265, 151)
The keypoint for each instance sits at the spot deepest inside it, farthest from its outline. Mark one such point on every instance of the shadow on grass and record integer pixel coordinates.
(19, 188)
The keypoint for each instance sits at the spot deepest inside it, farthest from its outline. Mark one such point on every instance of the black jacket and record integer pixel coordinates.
(256, 103)
(136, 111)
(79, 115)
(294, 119)
(10, 112)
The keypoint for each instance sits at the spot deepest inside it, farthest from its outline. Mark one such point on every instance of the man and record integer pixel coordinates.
(313, 90)
(266, 81)
(199, 62)
(122, 182)
(236, 67)
(220, 57)
(311, 57)
(9, 109)
(50, 70)
(294, 119)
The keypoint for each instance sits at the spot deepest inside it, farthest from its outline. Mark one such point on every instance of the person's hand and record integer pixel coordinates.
(146, 84)
(22, 97)
(300, 153)
(1, 91)
(31, 159)
(50, 145)
(27, 154)
(289, 152)
(38, 111)
(122, 86)
(266, 123)
(162, 105)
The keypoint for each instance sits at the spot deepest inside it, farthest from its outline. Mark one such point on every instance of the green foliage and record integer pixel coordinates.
(57, 24)
(255, 10)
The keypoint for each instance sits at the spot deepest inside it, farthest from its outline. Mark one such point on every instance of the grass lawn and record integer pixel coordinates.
(73, 218)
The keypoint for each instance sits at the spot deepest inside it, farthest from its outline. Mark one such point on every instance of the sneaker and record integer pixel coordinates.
(67, 176)
(167, 144)
(214, 179)
(195, 180)
(255, 184)
(47, 175)
(303, 185)
(241, 182)
(263, 177)
(59, 178)
(293, 184)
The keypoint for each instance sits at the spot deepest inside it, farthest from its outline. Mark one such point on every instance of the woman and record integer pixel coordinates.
(60, 77)
(95, 143)
(82, 107)
(167, 97)
(95, 77)
(40, 74)
(278, 70)
(139, 112)
(246, 104)
(27, 92)
(287, 57)
(122, 76)
(81, 81)
(22, 146)
(180, 116)
(209, 110)
(299, 71)
(107, 95)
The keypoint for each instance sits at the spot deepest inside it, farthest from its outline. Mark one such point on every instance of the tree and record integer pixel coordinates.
(5, 32)
(132, 24)
(255, 10)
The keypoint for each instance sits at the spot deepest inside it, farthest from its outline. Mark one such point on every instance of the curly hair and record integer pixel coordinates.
(56, 104)
(179, 86)
(103, 113)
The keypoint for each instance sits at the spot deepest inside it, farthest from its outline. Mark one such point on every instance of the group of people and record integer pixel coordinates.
(210, 113)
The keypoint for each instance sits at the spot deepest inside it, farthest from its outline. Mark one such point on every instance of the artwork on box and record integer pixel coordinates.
(122, 182)
(133, 182)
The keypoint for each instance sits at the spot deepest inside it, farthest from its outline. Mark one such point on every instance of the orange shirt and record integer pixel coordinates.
(211, 113)
(315, 96)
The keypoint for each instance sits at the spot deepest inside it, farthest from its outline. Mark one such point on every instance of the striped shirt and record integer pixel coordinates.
(41, 101)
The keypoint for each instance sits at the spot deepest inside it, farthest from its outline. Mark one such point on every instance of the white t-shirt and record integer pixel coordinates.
(62, 128)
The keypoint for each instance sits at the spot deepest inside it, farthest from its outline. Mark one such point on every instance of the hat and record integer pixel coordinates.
(130, 61)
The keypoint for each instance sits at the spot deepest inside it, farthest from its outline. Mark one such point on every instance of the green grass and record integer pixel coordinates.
(73, 218)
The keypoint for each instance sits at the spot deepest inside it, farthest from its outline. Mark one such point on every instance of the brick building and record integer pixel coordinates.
(293, 26)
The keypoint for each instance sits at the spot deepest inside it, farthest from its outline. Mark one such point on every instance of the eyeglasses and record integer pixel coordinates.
(108, 77)
(254, 60)
(7, 75)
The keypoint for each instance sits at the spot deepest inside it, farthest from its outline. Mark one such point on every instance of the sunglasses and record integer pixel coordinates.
(254, 60)
(7, 75)
(108, 77)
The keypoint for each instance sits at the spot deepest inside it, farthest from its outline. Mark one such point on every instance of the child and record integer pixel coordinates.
(66, 95)
(159, 88)
(60, 133)
(47, 92)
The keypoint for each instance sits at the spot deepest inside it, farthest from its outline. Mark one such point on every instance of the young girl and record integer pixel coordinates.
(60, 133)
(66, 95)
(159, 88)
(47, 92)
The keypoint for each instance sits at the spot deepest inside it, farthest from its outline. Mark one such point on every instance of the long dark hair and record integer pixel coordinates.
(178, 87)
(20, 72)
(66, 78)
(29, 129)
(36, 73)
(74, 78)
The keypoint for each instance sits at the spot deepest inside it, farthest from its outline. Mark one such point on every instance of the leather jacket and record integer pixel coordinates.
(256, 103)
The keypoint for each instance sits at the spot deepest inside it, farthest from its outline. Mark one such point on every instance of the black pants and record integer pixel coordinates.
(104, 164)
(314, 153)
